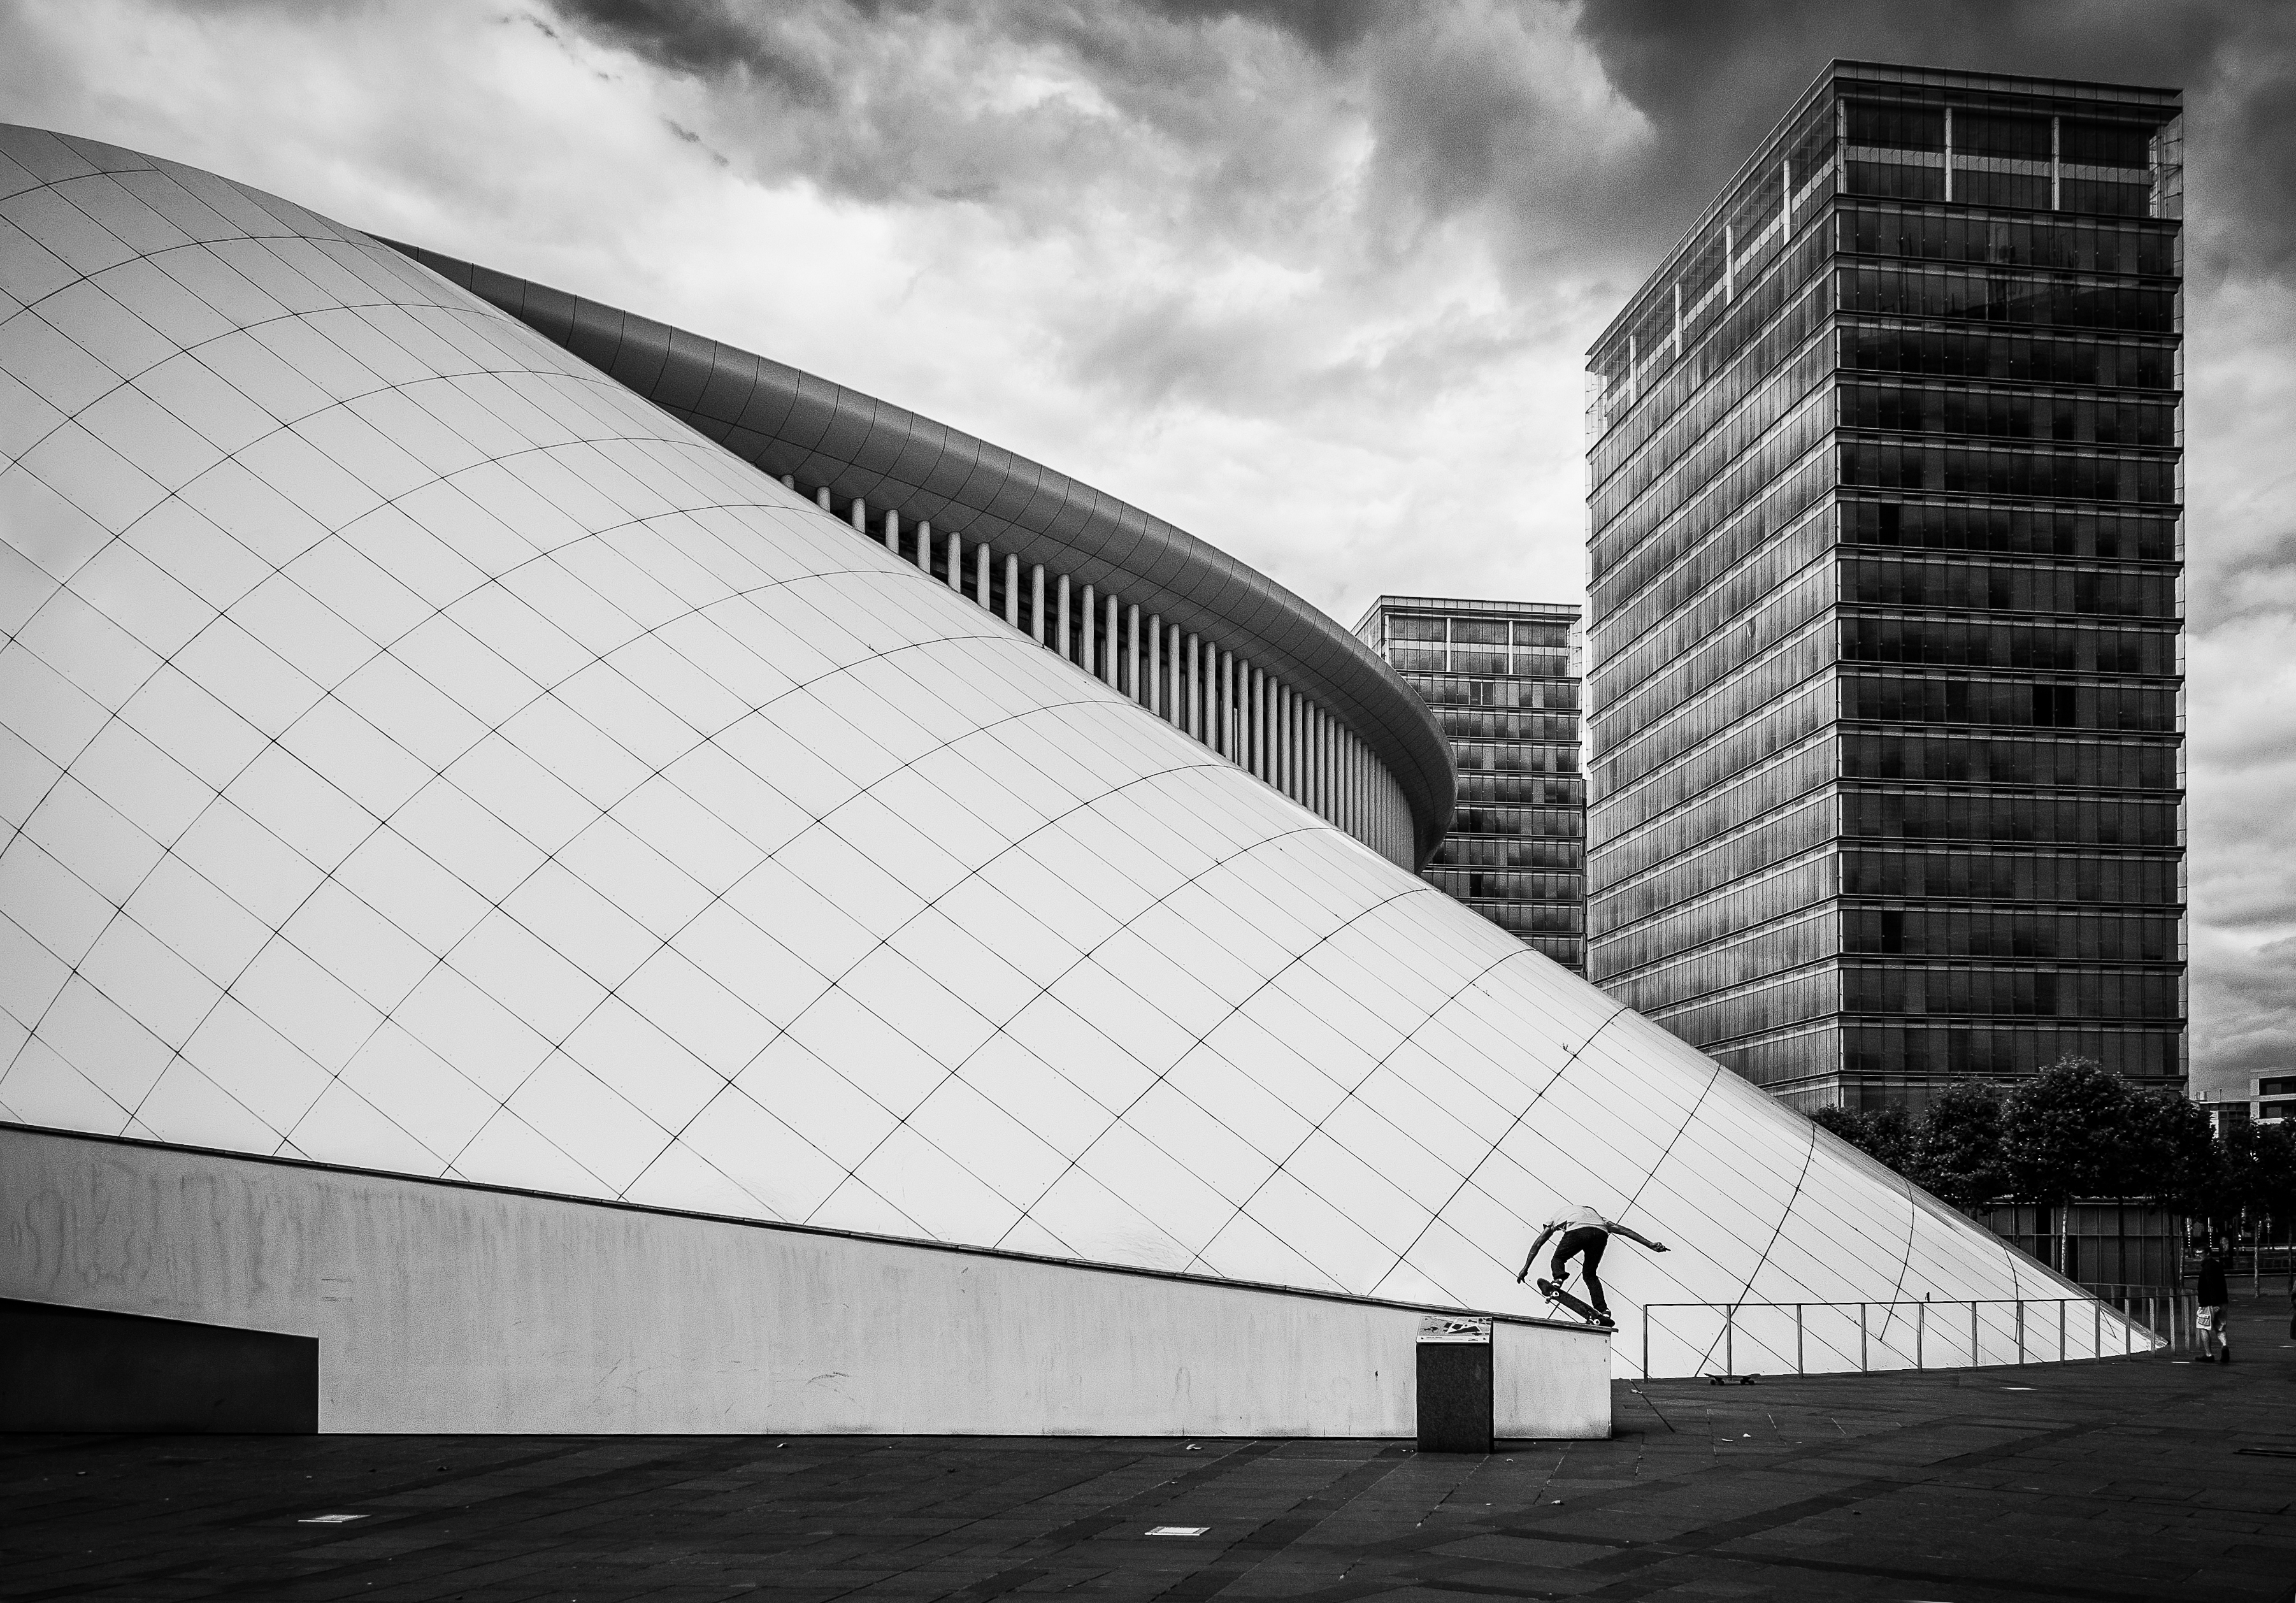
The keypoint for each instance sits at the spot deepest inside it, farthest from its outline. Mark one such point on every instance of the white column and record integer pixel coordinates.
(981, 589)
(1156, 698)
(1255, 735)
(789, 481)
(1196, 686)
(1132, 686)
(1086, 619)
(1222, 667)
(1110, 659)
(1061, 619)
(1013, 591)
(860, 510)
(1037, 602)
(1322, 762)
(1232, 706)
(821, 497)
(955, 575)
(893, 532)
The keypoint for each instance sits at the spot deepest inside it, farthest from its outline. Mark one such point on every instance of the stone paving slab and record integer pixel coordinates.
(2120, 1480)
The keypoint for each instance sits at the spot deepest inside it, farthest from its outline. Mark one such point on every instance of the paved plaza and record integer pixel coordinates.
(2147, 1478)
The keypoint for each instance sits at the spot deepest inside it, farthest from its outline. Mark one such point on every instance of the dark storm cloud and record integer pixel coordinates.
(1711, 77)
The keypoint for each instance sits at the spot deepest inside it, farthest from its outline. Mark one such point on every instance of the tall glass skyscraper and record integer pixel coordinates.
(1886, 597)
(1502, 679)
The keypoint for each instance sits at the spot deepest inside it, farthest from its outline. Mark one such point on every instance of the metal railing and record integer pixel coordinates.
(1860, 1337)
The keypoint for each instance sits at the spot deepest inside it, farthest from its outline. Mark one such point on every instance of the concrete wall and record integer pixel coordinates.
(445, 1307)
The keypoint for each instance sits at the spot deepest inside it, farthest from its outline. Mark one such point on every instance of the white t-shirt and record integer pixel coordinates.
(1579, 1218)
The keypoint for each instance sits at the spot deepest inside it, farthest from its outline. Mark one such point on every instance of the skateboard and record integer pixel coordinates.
(1556, 1293)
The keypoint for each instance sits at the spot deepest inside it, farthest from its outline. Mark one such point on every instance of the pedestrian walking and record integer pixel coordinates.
(2212, 1295)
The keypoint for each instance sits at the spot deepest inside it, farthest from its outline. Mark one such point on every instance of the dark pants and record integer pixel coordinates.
(1588, 1240)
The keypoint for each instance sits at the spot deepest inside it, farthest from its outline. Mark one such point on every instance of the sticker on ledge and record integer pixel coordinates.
(330, 1519)
(1177, 1530)
(1444, 1327)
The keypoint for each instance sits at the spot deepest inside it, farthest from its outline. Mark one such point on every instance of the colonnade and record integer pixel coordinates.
(1233, 705)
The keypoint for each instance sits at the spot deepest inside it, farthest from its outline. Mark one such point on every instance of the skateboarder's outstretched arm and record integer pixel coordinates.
(1531, 1256)
(1619, 1229)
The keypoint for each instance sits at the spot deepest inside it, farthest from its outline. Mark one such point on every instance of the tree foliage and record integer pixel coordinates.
(2077, 1129)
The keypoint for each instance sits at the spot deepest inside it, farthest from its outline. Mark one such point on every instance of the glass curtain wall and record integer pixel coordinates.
(1502, 679)
(1886, 597)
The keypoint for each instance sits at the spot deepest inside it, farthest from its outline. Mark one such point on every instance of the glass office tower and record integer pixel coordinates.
(1886, 535)
(1503, 678)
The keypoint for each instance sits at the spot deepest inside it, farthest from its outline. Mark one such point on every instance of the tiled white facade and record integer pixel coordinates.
(421, 754)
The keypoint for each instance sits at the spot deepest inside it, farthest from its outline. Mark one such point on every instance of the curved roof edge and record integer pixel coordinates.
(787, 422)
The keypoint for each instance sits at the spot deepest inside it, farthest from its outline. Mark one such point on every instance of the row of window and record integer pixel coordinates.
(1939, 932)
(1984, 816)
(1533, 917)
(1937, 408)
(2013, 992)
(2080, 245)
(2007, 471)
(1982, 187)
(2117, 765)
(1543, 663)
(2011, 587)
(1911, 699)
(1517, 757)
(1559, 729)
(1984, 643)
(1940, 1049)
(1528, 919)
(1984, 353)
(2034, 531)
(1478, 632)
(2090, 141)
(1503, 807)
(2031, 299)
(1461, 849)
(1508, 886)
(1452, 690)
(1999, 875)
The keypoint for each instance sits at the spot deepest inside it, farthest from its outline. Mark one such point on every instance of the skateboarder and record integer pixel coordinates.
(1584, 1234)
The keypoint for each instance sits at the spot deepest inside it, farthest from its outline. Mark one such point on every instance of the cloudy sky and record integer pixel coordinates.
(1312, 278)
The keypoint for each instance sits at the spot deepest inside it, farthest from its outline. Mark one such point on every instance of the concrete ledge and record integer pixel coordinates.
(442, 1307)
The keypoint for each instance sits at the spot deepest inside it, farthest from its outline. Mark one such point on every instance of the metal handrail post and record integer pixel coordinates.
(1921, 1331)
(2021, 1330)
(2096, 1338)
(1972, 1333)
(2060, 1330)
(1862, 1367)
(1646, 1320)
(1730, 1339)
(1798, 1367)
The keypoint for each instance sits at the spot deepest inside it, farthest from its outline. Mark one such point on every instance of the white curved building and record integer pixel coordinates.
(437, 776)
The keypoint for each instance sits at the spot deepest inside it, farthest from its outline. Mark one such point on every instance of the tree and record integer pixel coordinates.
(1957, 1153)
(1884, 1134)
(2065, 1132)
